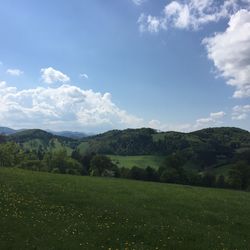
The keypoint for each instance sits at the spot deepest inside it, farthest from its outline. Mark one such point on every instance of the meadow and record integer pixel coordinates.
(141, 161)
(52, 211)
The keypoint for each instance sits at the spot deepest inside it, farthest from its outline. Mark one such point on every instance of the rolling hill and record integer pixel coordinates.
(36, 139)
(50, 211)
(70, 134)
(206, 149)
(7, 131)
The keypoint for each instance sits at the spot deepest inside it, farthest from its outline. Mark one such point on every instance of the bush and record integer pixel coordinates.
(36, 165)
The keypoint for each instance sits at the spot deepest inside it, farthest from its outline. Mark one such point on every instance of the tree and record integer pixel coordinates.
(208, 179)
(58, 161)
(151, 174)
(170, 175)
(137, 173)
(84, 159)
(220, 183)
(10, 154)
(2, 139)
(172, 170)
(239, 175)
(101, 165)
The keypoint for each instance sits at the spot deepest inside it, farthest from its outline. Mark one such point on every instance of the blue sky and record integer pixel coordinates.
(96, 65)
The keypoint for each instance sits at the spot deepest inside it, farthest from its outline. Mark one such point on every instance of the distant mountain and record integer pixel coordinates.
(70, 134)
(7, 131)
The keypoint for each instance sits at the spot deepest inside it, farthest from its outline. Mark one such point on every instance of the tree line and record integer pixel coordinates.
(171, 171)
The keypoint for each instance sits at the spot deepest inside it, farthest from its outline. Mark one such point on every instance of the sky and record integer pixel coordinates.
(97, 65)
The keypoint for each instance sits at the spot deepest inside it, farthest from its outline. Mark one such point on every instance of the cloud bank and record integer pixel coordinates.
(64, 107)
(71, 108)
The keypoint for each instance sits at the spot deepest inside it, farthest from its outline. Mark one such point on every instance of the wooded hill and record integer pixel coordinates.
(203, 149)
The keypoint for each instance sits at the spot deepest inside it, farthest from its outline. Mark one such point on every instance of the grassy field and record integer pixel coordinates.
(141, 161)
(50, 211)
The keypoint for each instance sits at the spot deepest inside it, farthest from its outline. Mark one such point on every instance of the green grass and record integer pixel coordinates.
(50, 211)
(141, 161)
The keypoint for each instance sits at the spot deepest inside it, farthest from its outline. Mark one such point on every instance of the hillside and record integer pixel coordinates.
(69, 134)
(147, 141)
(45, 211)
(206, 149)
(7, 131)
(36, 139)
(203, 149)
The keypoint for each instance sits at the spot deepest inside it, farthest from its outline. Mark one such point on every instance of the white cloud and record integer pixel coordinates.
(138, 2)
(230, 53)
(240, 112)
(217, 115)
(180, 14)
(150, 23)
(84, 76)
(65, 107)
(50, 75)
(214, 119)
(2, 84)
(71, 108)
(191, 14)
(156, 124)
(14, 72)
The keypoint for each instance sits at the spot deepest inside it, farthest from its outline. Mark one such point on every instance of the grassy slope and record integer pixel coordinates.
(141, 161)
(49, 211)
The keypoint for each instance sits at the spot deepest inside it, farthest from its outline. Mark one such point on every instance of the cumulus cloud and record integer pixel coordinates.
(65, 107)
(50, 75)
(230, 53)
(240, 112)
(190, 14)
(214, 119)
(14, 72)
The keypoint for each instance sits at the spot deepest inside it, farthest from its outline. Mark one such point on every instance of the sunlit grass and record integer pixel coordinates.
(141, 161)
(50, 211)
